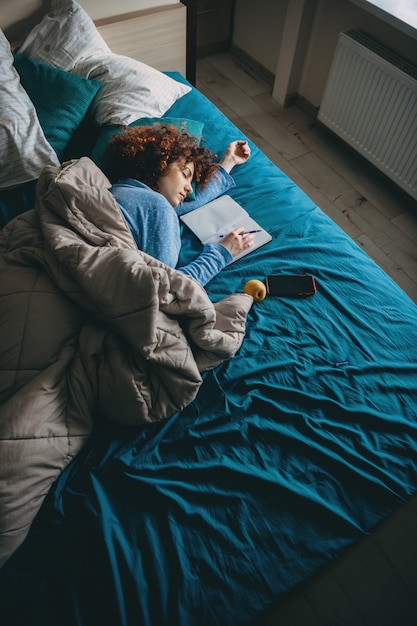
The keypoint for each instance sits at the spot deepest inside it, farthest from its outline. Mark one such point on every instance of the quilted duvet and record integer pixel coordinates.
(90, 326)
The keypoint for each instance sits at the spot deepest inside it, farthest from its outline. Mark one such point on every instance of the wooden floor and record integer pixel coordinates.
(375, 582)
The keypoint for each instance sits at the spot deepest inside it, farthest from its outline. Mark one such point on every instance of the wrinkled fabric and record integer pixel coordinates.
(292, 451)
(89, 325)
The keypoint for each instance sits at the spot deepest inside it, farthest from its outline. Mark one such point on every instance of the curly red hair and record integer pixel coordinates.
(146, 152)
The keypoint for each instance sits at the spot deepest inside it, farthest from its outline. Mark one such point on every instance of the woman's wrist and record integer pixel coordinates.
(227, 163)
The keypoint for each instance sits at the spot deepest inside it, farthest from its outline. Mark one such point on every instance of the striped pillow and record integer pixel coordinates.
(24, 150)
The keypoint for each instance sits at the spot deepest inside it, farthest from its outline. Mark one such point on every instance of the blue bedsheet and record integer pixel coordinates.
(285, 458)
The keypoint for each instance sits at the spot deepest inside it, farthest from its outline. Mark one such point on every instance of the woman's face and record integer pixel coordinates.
(175, 183)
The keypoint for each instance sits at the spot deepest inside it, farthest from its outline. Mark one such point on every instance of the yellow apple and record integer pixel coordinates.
(256, 289)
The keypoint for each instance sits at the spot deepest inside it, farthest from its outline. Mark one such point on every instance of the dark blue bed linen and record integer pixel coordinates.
(16, 200)
(283, 460)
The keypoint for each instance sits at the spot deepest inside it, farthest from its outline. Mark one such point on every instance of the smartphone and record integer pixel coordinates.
(296, 285)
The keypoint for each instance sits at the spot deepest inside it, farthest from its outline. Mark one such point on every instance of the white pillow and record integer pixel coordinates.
(66, 35)
(24, 150)
(68, 39)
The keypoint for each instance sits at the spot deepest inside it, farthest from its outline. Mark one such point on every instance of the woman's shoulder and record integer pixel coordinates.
(131, 184)
(134, 192)
(139, 202)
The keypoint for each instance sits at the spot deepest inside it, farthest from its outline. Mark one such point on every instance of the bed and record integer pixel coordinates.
(289, 451)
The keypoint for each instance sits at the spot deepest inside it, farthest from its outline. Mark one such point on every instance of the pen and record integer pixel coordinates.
(245, 232)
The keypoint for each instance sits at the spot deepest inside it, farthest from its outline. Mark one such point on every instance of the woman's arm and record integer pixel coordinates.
(237, 153)
(215, 256)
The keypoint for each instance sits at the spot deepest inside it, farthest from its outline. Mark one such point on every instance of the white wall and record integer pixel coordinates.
(259, 28)
(333, 16)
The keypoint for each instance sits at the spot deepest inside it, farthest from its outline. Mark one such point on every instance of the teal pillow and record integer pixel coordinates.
(61, 99)
(193, 127)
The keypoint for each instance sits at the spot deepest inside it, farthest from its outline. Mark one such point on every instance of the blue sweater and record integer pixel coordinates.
(155, 225)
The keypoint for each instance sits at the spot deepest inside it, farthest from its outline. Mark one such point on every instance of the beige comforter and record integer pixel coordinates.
(91, 328)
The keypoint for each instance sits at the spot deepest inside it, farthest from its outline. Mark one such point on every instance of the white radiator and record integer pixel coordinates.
(370, 101)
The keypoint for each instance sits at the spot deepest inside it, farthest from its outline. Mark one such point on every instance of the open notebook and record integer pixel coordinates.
(218, 218)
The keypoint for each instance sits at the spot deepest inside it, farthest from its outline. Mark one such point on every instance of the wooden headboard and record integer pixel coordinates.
(155, 35)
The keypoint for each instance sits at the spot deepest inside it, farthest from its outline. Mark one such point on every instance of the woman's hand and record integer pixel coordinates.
(237, 152)
(236, 242)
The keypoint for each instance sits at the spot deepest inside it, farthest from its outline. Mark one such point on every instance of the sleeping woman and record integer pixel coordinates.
(152, 169)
